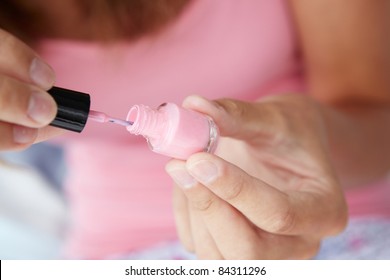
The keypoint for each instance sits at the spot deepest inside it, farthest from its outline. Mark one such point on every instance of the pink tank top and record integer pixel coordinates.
(119, 194)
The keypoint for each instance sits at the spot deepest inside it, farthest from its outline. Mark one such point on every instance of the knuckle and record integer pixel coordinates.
(234, 191)
(278, 117)
(228, 105)
(236, 109)
(203, 205)
(283, 222)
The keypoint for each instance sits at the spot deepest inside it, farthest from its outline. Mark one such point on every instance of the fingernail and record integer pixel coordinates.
(42, 74)
(204, 171)
(24, 135)
(41, 107)
(182, 178)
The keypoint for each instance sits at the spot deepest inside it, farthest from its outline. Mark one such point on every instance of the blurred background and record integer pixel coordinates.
(33, 210)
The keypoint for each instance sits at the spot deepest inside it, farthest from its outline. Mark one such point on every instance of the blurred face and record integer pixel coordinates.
(87, 19)
(45, 8)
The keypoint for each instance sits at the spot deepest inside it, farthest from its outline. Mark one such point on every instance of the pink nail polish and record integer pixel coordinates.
(172, 130)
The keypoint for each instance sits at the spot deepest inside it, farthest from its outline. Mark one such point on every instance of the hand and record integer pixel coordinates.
(25, 107)
(269, 192)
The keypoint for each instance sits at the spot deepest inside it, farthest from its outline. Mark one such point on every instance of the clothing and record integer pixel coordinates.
(119, 194)
(365, 238)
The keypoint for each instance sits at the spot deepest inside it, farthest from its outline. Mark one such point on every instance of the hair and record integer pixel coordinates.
(111, 19)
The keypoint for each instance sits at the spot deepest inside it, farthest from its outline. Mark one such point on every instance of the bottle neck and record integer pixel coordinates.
(147, 122)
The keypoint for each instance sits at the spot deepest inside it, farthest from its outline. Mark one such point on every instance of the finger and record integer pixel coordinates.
(182, 219)
(16, 137)
(238, 119)
(201, 240)
(288, 247)
(205, 247)
(25, 105)
(273, 124)
(48, 132)
(225, 224)
(235, 236)
(21, 62)
(306, 211)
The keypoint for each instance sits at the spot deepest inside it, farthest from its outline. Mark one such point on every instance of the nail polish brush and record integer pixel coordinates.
(74, 110)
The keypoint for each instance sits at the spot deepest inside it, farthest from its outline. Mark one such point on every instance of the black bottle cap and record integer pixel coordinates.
(73, 108)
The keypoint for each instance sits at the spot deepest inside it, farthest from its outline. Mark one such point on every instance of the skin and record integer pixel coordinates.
(262, 195)
(273, 188)
(25, 107)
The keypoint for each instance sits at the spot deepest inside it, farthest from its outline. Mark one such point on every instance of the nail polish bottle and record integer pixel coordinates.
(169, 130)
(172, 130)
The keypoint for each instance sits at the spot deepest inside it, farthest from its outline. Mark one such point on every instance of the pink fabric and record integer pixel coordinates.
(118, 190)
(372, 201)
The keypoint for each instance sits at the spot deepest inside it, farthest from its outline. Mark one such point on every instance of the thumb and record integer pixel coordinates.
(292, 212)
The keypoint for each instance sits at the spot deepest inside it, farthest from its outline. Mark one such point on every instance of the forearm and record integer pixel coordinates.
(345, 46)
(359, 142)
